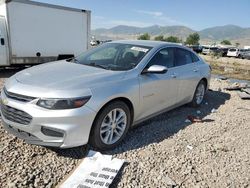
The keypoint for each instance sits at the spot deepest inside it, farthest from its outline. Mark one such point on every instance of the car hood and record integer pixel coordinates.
(63, 75)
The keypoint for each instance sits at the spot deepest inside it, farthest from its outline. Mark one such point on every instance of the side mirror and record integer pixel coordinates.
(155, 69)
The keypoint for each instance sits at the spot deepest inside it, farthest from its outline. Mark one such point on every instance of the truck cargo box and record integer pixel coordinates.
(36, 32)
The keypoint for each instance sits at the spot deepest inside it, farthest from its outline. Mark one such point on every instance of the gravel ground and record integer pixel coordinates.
(162, 152)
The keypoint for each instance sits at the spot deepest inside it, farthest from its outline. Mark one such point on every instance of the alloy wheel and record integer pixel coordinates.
(200, 94)
(113, 126)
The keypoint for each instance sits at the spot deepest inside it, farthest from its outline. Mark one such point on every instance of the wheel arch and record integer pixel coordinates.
(206, 82)
(126, 101)
(123, 99)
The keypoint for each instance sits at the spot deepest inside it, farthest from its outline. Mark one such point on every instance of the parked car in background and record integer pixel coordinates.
(242, 53)
(98, 42)
(196, 48)
(100, 94)
(213, 50)
(93, 43)
(233, 52)
(205, 50)
(222, 52)
(209, 50)
(246, 55)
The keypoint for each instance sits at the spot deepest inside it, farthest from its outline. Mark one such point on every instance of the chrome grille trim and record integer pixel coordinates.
(17, 97)
(15, 115)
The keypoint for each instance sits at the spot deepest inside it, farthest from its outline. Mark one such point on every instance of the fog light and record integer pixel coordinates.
(51, 132)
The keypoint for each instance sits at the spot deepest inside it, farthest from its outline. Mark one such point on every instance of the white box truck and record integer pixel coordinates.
(34, 33)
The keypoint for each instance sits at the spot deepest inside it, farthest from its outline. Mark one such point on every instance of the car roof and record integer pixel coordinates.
(148, 43)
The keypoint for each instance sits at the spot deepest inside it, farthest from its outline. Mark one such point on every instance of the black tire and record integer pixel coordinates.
(195, 102)
(95, 138)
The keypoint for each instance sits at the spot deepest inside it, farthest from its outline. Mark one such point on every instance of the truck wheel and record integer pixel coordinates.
(199, 94)
(110, 126)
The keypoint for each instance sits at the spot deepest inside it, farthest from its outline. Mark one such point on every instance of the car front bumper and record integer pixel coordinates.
(56, 128)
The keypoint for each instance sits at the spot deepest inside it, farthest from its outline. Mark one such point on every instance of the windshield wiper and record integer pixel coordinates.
(96, 65)
(74, 60)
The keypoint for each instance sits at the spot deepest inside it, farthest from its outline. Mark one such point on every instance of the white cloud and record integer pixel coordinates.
(167, 20)
(160, 18)
(151, 13)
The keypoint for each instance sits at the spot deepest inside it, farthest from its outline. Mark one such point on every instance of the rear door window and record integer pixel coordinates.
(194, 57)
(182, 57)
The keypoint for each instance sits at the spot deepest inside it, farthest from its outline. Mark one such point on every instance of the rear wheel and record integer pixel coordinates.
(110, 126)
(199, 94)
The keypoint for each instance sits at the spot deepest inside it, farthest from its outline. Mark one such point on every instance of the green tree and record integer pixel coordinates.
(160, 38)
(173, 39)
(226, 42)
(237, 44)
(145, 36)
(193, 39)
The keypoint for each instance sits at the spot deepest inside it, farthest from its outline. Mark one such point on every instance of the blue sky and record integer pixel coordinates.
(196, 14)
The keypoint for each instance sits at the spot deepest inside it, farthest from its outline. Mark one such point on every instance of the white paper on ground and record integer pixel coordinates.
(95, 171)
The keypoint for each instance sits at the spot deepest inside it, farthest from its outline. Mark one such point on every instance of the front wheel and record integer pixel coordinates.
(199, 94)
(110, 126)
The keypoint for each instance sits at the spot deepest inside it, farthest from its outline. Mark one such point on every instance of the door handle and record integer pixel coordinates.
(195, 70)
(2, 42)
(173, 75)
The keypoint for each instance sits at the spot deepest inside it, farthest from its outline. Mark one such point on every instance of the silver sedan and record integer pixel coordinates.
(96, 97)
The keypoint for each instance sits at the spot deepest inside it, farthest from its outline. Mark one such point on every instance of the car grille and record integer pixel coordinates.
(17, 97)
(14, 115)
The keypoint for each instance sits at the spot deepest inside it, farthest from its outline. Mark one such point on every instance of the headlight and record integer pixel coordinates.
(61, 104)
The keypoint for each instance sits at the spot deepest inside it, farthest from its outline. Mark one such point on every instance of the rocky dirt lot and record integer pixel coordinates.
(226, 60)
(162, 152)
(229, 66)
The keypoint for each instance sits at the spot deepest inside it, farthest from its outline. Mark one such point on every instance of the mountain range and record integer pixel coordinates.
(210, 35)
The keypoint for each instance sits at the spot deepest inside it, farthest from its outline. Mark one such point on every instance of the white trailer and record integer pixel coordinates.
(33, 32)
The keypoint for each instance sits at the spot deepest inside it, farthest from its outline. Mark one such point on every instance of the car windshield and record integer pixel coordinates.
(232, 50)
(113, 56)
